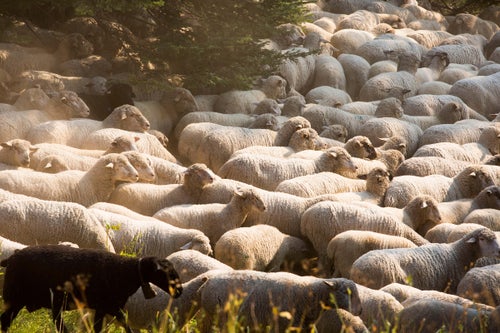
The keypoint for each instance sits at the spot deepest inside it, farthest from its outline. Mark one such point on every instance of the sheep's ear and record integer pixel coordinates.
(489, 192)
(48, 165)
(384, 139)
(471, 240)
(136, 138)
(473, 174)
(365, 176)
(123, 115)
(333, 154)
(424, 205)
(148, 291)
(238, 191)
(6, 145)
(109, 165)
(329, 283)
(33, 149)
(187, 246)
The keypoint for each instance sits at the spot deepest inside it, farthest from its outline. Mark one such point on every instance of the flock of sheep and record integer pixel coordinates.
(367, 170)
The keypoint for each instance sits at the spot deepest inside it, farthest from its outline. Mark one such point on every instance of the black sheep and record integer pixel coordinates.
(102, 105)
(51, 276)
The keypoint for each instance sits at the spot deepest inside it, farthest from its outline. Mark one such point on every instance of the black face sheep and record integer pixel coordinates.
(43, 276)
(433, 266)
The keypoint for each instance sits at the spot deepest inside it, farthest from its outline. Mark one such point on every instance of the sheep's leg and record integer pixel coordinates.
(8, 316)
(98, 320)
(120, 317)
(57, 317)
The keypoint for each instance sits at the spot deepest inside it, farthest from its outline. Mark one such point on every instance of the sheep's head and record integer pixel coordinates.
(122, 143)
(274, 87)
(160, 272)
(389, 107)
(180, 100)
(68, 104)
(488, 197)
(424, 212)
(293, 106)
(18, 152)
(306, 138)
(483, 241)
(198, 175)
(129, 118)
(142, 163)
(120, 167)
(475, 178)
(361, 147)
(378, 180)
(452, 112)
(340, 160)
(336, 132)
(249, 199)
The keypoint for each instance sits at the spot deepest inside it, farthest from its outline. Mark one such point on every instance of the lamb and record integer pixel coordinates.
(165, 113)
(64, 105)
(433, 266)
(62, 271)
(147, 199)
(16, 152)
(347, 246)
(260, 247)
(480, 285)
(150, 237)
(213, 219)
(73, 132)
(480, 92)
(324, 220)
(247, 168)
(242, 101)
(288, 292)
(329, 182)
(85, 188)
(191, 263)
(467, 184)
(34, 222)
(428, 315)
(197, 141)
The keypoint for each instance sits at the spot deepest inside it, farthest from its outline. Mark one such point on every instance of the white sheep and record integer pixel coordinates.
(356, 69)
(213, 144)
(430, 165)
(455, 72)
(467, 184)
(81, 187)
(429, 38)
(298, 72)
(147, 199)
(216, 218)
(347, 246)
(329, 96)
(72, 132)
(329, 72)
(149, 237)
(29, 99)
(432, 266)
(488, 217)
(324, 220)
(374, 50)
(16, 152)
(64, 105)
(34, 222)
(461, 132)
(191, 263)
(260, 247)
(348, 40)
(249, 168)
(243, 101)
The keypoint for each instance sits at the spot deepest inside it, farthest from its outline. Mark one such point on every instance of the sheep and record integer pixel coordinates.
(434, 88)
(16, 152)
(288, 292)
(191, 263)
(73, 132)
(336, 133)
(248, 168)
(165, 113)
(428, 315)
(147, 199)
(373, 50)
(260, 247)
(324, 220)
(468, 23)
(429, 38)
(480, 93)
(434, 266)
(302, 139)
(477, 151)
(29, 99)
(467, 184)
(356, 69)
(492, 44)
(426, 105)
(430, 165)
(347, 246)
(338, 320)
(85, 188)
(298, 72)
(64, 105)
(375, 88)
(242, 101)
(441, 232)
(456, 72)
(102, 105)
(348, 40)
(293, 106)
(33, 222)
(328, 183)
(82, 273)
(461, 132)
(329, 96)
(432, 66)
(150, 236)
(488, 217)
(198, 141)
(386, 127)
(166, 172)
(328, 71)
(480, 285)
(146, 143)
(379, 307)
(213, 219)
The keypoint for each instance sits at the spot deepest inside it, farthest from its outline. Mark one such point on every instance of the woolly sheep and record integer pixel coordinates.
(334, 132)
(434, 88)
(379, 307)
(429, 165)
(488, 217)
(329, 96)
(33, 222)
(468, 23)
(299, 72)
(373, 50)
(293, 106)
(16, 152)
(284, 290)
(426, 105)
(58, 274)
(260, 247)
(329, 72)
(348, 40)
(242, 101)
(191, 263)
(467, 184)
(461, 132)
(150, 236)
(73, 132)
(356, 69)
(456, 72)
(147, 199)
(197, 141)
(213, 219)
(433, 266)
(324, 220)
(336, 320)
(64, 105)
(480, 285)
(29, 99)
(347, 246)
(429, 38)
(85, 188)
(247, 167)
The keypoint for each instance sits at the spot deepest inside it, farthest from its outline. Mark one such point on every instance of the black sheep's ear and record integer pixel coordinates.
(148, 291)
